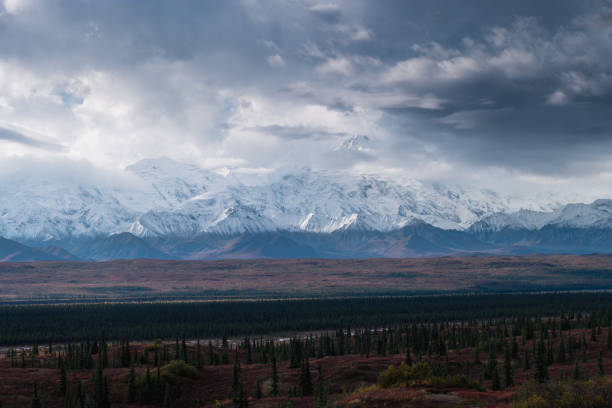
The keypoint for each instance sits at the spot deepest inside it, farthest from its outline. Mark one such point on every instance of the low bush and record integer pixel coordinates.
(594, 393)
(178, 368)
(421, 374)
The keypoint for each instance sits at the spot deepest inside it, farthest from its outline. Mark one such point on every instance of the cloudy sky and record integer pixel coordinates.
(513, 94)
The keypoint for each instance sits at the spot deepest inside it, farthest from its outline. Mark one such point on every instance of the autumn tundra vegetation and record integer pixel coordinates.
(515, 350)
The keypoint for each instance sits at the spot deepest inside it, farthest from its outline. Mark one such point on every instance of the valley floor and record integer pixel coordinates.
(136, 280)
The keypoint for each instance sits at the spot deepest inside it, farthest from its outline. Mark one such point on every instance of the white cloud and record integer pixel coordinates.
(341, 65)
(557, 98)
(15, 6)
(275, 61)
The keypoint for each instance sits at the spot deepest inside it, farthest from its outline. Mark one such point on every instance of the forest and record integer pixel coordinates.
(515, 350)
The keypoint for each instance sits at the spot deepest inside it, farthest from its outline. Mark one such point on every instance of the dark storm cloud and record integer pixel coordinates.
(518, 96)
(478, 83)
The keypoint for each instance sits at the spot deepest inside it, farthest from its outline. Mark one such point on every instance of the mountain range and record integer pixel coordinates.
(162, 209)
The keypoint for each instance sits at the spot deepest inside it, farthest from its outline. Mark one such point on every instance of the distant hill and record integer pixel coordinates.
(119, 246)
(13, 251)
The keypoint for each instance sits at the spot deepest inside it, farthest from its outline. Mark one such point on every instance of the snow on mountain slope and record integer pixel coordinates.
(595, 215)
(167, 198)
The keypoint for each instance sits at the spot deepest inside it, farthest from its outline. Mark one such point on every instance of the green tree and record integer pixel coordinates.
(274, 377)
(63, 379)
(408, 359)
(576, 371)
(561, 356)
(495, 385)
(36, 403)
(320, 392)
(526, 364)
(167, 397)
(305, 378)
(132, 386)
(540, 373)
(508, 371)
(258, 393)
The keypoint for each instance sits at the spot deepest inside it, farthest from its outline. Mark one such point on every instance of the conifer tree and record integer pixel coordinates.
(540, 373)
(408, 359)
(576, 371)
(320, 393)
(274, 376)
(167, 397)
(495, 385)
(184, 356)
(600, 365)
(508, 371)
(80, 399)
(236, 377)
(515, 349)
(132, 386)
(561, 357)
(63, 379)
(258, 393)
(210, 353)
(199, 358)
(305, 378)
(36, 403)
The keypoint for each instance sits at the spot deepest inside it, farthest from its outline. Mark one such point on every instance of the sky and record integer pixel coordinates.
(510, 95)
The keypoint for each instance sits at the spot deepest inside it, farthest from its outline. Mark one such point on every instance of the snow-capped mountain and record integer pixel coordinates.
(164, 198)
(595, 215)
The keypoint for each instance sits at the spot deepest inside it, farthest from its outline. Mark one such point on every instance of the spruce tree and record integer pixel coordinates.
(258, 393)
(600, 365)
(132, 386)
(274, 377)
(576, 371)
(211, 359)
(515, 349)
(408, 359)
(80, 399)
(320, 393)
(561, 357)
(36, 403)
(495, 385)
(508, 371)
(305, 378)
(236, 377)
(63, 379)
(540, 373)
(167, 397)
(199, 358)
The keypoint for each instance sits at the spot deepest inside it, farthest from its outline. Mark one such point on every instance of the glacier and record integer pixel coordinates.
(166, 198)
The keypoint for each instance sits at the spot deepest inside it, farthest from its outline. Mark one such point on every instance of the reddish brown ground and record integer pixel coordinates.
(351, 380)
(299, 278)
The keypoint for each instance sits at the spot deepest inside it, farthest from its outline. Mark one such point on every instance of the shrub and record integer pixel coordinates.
(177, 368)
(595, 393)
(404, 375)
(420, 374)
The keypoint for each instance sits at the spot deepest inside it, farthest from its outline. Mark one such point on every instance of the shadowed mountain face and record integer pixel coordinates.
(119, 246)
(12, 251)
(573, 229)
(418, 239)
